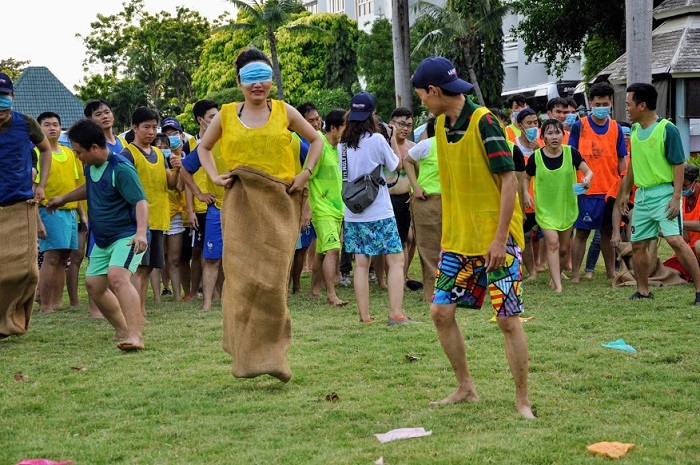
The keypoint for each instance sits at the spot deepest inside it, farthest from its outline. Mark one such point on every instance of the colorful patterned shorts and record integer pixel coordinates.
(463, 280)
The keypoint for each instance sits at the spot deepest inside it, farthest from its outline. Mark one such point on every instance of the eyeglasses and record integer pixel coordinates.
(402, 124)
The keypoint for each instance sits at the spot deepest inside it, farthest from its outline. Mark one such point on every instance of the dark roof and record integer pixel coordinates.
(675, 49)
(37, 90)
(671, 8)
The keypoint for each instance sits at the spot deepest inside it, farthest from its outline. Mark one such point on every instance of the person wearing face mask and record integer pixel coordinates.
(528, 142)
(516, 103)
(600, 140)
(19, 272)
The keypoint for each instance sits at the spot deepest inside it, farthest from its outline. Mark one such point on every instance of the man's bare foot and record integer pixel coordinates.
(314, 293)
(205, 307)
(383, 286)
(526, 411)
(575, 279)
(588, 275)
(563, 276)
(554, 287)
(131, 344)
(46, 310)
(532, 277)
(456, 397)
(97, 315)
(337, 302)
(120, 336)
(296, 291)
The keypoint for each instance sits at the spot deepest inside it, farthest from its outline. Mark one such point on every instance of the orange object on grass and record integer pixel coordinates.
(614, 450)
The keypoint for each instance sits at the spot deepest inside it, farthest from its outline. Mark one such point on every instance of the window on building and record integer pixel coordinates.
(364, 7)
(337, 6)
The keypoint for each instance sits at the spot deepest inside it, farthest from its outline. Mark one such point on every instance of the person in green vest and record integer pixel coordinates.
(657, 170)
(556, 207)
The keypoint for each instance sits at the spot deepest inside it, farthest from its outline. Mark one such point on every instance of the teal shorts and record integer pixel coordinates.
(649, 217)
(61, 230)
(118, 253)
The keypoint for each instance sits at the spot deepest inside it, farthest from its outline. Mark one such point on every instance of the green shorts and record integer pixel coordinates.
(118, 253)
(650, 213)
(327, 234)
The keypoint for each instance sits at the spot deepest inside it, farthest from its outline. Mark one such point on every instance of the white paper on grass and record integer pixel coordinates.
(402, 433)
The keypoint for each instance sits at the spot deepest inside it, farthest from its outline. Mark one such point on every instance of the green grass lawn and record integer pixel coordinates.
(177, 403)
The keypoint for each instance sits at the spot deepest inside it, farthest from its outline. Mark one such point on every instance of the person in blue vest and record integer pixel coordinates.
(19, 273)
(118, 210)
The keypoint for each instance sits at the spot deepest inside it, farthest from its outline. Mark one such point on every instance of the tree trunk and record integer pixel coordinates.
(275, 64)
(402, 54)
(472, 74)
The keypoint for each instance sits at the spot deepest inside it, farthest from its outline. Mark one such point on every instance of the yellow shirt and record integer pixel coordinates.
(154, 180)
(471, 193)
(63, 176)
(267, 148)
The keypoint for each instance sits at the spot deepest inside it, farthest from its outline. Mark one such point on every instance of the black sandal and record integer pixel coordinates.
(637, 295)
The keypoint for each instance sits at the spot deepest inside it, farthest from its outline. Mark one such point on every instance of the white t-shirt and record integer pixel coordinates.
(371, 151)
(421, 150)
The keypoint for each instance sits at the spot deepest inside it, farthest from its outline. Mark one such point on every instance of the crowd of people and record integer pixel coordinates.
(232, 211)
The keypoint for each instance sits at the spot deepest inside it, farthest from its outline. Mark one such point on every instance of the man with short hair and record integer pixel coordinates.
(482, 229)
(19, 272)
(599, 139)
(212, 197)
(119, 210)
(156, 178)
(101, 113)
(327, 209)
(516, 103)
(657, 169)
(58, 231)
(558, 108)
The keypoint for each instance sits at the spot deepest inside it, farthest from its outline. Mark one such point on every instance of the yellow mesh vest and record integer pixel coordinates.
(215, 189)
(267, 148)
(63, 176)
(155, 184)
(471, 194)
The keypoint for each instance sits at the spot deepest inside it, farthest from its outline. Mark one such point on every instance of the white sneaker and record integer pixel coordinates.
(345, 280)
(372, 277)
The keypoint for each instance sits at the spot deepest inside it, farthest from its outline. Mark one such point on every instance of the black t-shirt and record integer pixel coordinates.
(553, 163)
(518, 159)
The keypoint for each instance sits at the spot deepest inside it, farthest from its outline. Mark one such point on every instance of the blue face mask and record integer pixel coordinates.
(5, 102)
(166, 152)
(515, 115)
(570, 119)
(601, 112)
(255, 72)
(531, 133)
(689, 191)
(175, 141)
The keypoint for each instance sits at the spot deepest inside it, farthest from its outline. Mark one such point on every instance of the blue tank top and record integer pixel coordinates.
(16, 161)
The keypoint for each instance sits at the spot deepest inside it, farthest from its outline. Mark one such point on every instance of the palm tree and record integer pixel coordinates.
(268, 16)
(461, 29)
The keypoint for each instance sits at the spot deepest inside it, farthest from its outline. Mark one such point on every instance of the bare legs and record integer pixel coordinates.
(121, 307)
(209, 279)
(73, 271)
(324, 270)
(173, 250)
(452, 343)
(52, 277)
(557, 243)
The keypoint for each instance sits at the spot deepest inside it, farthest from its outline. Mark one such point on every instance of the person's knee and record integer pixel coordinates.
(119, 278)
(94, 285)
(442, 316)
(509, 325)
(53, 258)
(553, 245)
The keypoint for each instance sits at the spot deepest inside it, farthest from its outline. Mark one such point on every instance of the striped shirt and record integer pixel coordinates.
(492, 134)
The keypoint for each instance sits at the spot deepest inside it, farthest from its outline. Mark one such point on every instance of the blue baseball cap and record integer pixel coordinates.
(362, 106)
(171, 122)
(439, 72)
(5, 84)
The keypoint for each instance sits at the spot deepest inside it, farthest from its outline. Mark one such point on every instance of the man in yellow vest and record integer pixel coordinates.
(657, 169)
(516, 103)
(156, 178)
(58, 231)
(482, 229)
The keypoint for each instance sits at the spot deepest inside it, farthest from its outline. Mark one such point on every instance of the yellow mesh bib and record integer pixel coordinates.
(155, 184)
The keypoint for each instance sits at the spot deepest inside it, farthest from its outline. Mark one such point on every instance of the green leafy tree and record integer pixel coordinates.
(160, 50)
(464, 25)
(96, 86)
(13, 68)
(216, 71)
(125, 96)
(375, 60)
(267, 18)
(557, 31)
(318, 61)
(328, 99)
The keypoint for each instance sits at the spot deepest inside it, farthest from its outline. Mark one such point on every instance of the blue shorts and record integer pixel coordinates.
(306, 236)
(61, 230)
(213, 239)
(371, 238)
(591, 211)
(463, 280)
(650, 214)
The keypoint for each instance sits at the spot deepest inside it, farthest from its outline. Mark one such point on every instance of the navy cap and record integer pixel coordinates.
(362, 106)
(171, 122)
(5, 84)
(522, 114)
(439, 72)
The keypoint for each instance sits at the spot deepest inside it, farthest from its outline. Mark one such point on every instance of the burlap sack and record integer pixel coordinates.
(260, 223)
(660, 275)
(427, 224)
(19, 272)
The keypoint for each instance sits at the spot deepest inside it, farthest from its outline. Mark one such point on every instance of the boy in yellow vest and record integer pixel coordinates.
(482, 229)
(58, 232)
(156, 178)
(657, 169)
